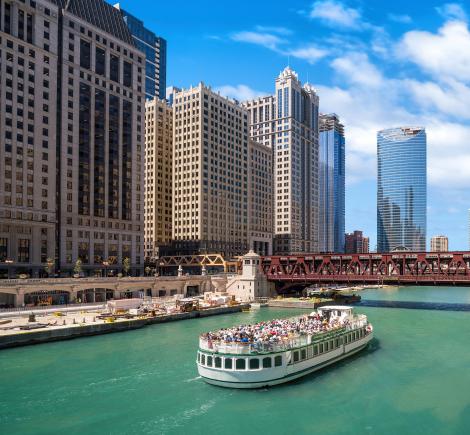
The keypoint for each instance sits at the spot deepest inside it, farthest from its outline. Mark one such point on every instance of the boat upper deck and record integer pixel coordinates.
(279, 335)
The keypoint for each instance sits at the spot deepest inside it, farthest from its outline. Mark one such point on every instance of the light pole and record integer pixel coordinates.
(105, 264)
(7, 262)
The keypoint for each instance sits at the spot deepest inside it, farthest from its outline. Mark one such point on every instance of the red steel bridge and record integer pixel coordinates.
(419, 268)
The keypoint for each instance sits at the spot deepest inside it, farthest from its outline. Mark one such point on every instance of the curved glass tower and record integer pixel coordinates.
(401, 189)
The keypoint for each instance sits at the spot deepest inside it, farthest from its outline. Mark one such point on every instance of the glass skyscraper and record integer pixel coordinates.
(401, 189)
(331, 162)
(154, 48)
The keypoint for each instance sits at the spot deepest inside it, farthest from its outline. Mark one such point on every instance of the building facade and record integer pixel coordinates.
(78, 185)
(154, 48)
(439, 244)
(260, 191)
(331, 184)
(401, 189)
(210, 174)
(288, 122)
(356, 243)
(29, 50)
(157, 177)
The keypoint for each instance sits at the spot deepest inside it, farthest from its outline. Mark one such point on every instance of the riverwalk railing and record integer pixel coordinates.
(51, 307)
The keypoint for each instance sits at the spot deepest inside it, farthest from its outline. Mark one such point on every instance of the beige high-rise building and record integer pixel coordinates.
(210, 174)
(288, 122)
(72, 184)
(439, 244)
(28, 100)
(260, 188)
(158, 176)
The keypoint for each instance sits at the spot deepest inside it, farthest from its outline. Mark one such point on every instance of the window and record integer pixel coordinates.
(203, 359)
(303, 354)
(278, 361)
(23, 250)
(254, 363)
(100, 61)
(218, 362)
(267, 362)
(296, 356)
(228, 363)
(85, 57)
(240, 364)
(315, 350)
(127, 79)
(114, 68)
(321, 347)
(209, 361)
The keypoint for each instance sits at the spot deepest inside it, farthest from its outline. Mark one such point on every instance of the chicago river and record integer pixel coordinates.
(413, 379)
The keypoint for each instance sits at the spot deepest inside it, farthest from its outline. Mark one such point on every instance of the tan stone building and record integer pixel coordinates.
(260, 188)
(210, 174)
(72, 185)
(288, 122)
(439, 244)
(158, 176)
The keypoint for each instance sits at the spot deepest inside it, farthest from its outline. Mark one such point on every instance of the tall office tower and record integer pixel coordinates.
(260, 188)
(401, 189)
(210, 173)
(288, 122)
(158, 177)
(439, 244)
(154, 48)
(28, 99)
(332, 184)
(356, 243)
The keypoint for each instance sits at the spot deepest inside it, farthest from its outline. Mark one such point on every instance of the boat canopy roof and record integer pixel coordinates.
(342, 308)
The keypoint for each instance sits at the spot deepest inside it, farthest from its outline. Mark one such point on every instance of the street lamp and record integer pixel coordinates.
(105, 264)
(8, 261)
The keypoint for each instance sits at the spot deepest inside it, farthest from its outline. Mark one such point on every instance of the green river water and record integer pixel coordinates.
(414, 379)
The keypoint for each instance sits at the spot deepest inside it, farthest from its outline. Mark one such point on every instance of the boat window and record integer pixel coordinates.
(337, 342)
(203, 359)
(267, 362)
(321, 348)
(326, 347)
(303, 354)
(278, 360)
(254, 363)
(315, 350)
(331, 345)
(240, 364)
(209, 361)
(296, 356)
(218, 362)
(198, 357)
(228, 363)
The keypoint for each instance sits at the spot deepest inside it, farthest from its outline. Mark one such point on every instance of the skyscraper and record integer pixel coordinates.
(439, 244)
(356, 243)
(401, 189)
(288, 122)
(73, 139)
(210, 174)
(332, 184)
(158, 176)
(154, 48)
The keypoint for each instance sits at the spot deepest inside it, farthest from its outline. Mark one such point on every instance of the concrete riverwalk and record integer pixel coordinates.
(14, 337)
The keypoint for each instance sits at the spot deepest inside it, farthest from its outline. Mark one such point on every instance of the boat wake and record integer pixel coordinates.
(193, 379)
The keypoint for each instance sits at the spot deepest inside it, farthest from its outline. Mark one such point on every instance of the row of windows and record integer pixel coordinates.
(229, 363)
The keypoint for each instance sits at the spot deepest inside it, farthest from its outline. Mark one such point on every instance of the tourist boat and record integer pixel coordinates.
(259, 364)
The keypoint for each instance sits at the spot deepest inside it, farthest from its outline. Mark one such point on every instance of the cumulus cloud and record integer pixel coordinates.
(239, 92)
(310, 53)
(452, 11)
(445, 54)
(334, 13)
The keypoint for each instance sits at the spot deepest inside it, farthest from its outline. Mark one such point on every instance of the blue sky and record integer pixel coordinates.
(377, 64)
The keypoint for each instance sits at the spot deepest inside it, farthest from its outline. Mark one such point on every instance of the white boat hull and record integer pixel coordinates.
(279, 375)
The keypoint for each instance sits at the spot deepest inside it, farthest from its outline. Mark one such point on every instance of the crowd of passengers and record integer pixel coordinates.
(274, 331)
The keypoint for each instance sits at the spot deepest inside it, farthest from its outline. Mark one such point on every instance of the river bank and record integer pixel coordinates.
(95, 326)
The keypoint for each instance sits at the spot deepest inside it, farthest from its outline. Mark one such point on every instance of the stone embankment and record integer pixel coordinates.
(56, 333)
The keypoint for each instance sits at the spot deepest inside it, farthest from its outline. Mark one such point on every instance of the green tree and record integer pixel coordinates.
(126, 265)
(49, 266)
(148, 270)
(78, 267)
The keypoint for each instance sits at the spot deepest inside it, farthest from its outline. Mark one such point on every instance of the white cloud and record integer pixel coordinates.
(398, 18)
(310, 53)
(239, 92)
(274, 29)
(445, 54)
(356, 68)
(267, 40)
(452, 11)
(334, 13)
